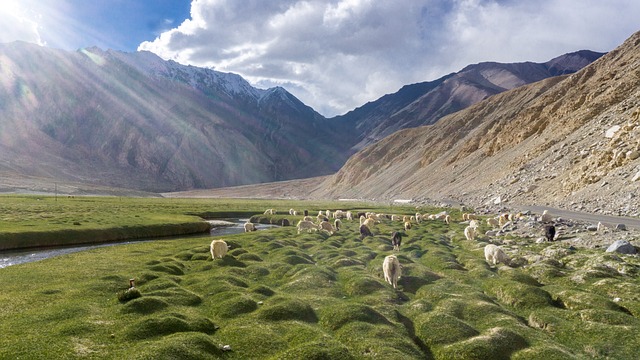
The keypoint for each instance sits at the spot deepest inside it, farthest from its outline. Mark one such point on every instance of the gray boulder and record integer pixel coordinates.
(622, 247)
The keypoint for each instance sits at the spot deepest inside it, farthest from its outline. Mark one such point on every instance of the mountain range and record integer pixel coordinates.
(135, 121)
(569, 141)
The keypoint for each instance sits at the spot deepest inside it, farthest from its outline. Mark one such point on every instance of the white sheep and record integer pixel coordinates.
(349, 215)
(391, 270)
(369, 223)
(329, 214)
(494, 254)
(447, 219)
(546, 217)
(291, 211)
(362, 219)
(306, 225)
(395, 218)
(493, 222)
(418, 217)
(248, 227)
(325, 225)
(218, 249)
(406, 218)
(308, 218)
(270, 212)
(470, 233)
(474, 224)
(407, 225)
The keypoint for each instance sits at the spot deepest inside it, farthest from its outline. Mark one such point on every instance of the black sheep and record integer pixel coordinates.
(396, 239)
(549, 232)
(364, 232)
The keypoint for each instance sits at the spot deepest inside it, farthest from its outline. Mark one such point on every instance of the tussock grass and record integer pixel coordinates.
(280, 295)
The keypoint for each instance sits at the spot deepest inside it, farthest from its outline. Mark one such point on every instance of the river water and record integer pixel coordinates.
(15, 257)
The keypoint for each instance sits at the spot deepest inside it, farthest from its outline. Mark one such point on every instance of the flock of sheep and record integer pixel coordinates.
(391, 265)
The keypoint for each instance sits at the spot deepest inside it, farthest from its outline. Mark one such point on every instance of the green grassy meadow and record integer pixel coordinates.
(283, 295)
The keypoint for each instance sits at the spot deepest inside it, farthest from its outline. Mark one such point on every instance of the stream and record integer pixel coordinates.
(21, 256)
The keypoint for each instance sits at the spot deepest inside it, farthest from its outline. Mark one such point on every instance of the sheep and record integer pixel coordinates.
(364, 232)
(291, 211)
(407, 225)
(418, 217)
(338, 214)
(369, 223)
(248, 227)
(494, 254)
(549, 232)
(545, 217)
(306, 225)
(493, 222)
(306, 213)
(361, 214)
(503, 219)
(474, 224)
(447, 219)
(285, 222)
(395, 218)
(362, 219)
(308, 218)
(337, 224)
(349, 215)
(396, 240)
(406, 218)
(391, 270)
(470, 233)
(329, 214)
(218, 249)
(270, 212)
(326, 225)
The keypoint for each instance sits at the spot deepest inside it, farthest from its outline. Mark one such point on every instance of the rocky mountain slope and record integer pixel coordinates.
(136, 121)
(569, 141)
(425, 103)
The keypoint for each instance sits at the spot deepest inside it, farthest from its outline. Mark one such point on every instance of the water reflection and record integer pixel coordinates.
(15, 257)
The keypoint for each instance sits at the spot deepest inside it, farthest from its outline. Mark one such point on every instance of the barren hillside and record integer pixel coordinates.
(549, 143)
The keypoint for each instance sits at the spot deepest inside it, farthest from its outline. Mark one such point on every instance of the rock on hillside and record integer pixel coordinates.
(553, 142)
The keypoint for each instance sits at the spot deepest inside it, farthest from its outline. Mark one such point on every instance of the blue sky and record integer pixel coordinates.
(334, 55)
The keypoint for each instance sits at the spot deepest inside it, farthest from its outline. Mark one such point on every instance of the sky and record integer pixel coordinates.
(334, 55)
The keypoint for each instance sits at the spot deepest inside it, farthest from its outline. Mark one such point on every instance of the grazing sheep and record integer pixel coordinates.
(391, 270)
(306, 213)
(447, 219)
(361, 214)
(270, 212)
(329, 214)
(364, 232)
(307, 218)
(494, 254)
(326, 225)
(395, 218)
(406, 218)
(396, 240)
(493, 222)
(470, 233)
(338, 214)
(218, 249)
(306, 225)
(546, 217)
(362, 219)
(419, 218)
(248, 227)
(369, 223)
(503, 219)
(291, 211)
(337, 224)
(349, 215)
(549, 232)
(407, 225)
(474, 224)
